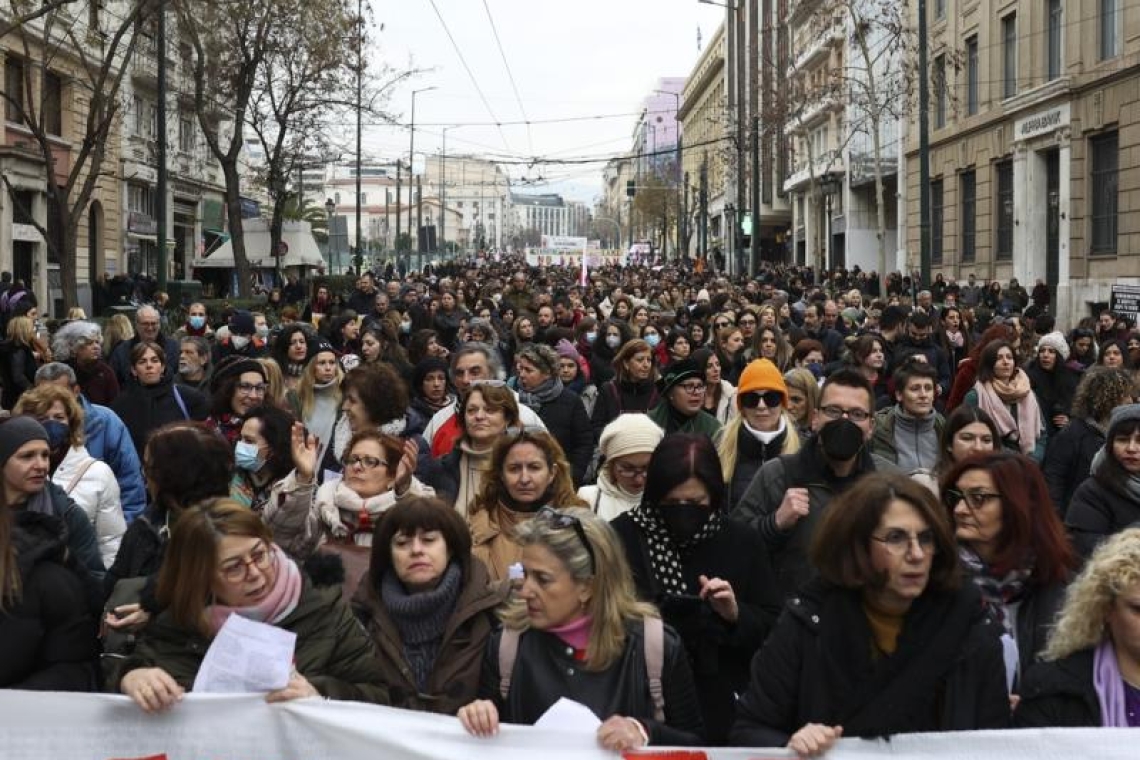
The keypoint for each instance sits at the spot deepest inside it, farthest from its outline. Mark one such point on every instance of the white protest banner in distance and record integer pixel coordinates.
(54, 725)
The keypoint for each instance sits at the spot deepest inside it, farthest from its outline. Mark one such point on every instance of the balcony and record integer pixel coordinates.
(814, 111)
(815, 41)
(802, 176)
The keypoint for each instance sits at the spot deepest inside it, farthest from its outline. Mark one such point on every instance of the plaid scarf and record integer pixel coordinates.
(997, 592)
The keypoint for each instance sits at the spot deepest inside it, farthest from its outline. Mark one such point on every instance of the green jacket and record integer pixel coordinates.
(333, 650)
(701, 422)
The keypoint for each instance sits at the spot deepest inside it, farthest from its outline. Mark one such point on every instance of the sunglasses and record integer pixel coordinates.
(752, 399)
(561, 520)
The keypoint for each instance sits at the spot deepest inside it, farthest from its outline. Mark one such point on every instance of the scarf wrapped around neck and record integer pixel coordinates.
(421, 618)
(997, 591)
(996, 396)
(543, 394)
(666, 554)
(1109, 686)
(275, 607)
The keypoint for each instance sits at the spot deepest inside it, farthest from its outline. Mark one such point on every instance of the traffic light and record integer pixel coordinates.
(630, 188)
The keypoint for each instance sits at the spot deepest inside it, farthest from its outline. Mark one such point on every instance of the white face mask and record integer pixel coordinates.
(239, 341)
(613, 341)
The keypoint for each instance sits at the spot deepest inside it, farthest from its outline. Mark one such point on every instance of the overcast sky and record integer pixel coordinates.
(569, 59)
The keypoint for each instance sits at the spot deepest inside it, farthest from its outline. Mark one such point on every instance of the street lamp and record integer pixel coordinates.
(829, 185)
(330, 207)
(412, 158)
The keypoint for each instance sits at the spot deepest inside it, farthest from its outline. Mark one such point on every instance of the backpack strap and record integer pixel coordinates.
(79, 475)
(655, 663)
(508, 651)
(181, 403)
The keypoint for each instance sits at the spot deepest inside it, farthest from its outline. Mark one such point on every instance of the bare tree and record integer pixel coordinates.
(96, 76)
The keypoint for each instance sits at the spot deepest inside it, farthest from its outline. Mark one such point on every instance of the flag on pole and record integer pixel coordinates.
(583, 279)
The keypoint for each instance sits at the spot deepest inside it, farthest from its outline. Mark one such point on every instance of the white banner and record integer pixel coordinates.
(57, 726)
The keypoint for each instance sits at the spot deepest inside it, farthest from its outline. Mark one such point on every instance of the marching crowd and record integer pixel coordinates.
(753, 512)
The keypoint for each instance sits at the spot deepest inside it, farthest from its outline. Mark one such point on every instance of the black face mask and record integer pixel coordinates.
(684, 520)
(841, 439)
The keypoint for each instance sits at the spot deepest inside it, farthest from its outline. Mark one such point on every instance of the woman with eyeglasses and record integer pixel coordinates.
(1069, 458)
(762, 428)
(681, 409)
(428, 606)
(577, 630)
(885, 640)
(709, 576)
(1092, 661)
(625, 447)
(154, 400)
(487, 410)
(238, 385)
(528, 471)
(1004, 392)
(632, 389)
(222, 561)
(1109, 500)
(378, 472)
(1013, 546)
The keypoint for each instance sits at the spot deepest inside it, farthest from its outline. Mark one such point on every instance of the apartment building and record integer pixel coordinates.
(1034, 145)
(703, 121)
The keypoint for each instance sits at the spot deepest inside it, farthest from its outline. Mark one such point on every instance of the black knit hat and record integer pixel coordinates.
(679, 372)
(234, 366)
(15, 432)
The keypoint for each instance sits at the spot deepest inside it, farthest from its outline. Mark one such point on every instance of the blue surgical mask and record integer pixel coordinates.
(591, 336)
(263, 331)
(197, 322)
(246, 457)
(613, 341)
(653, 339)
(58, 433)
(816, 369)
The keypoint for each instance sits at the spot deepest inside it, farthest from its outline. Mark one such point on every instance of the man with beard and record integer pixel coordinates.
(789, 494)
(194, 367)
(919, 341)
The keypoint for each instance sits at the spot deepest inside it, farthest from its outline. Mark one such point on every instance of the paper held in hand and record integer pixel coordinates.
(246, 656)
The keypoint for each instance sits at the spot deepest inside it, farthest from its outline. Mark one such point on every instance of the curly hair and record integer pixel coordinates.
(1100, 391)
(175, 486)
(1113, 569)
(72, 337)
(380, 389)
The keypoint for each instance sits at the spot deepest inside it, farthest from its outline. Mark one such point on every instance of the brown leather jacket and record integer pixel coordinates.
(454, 680)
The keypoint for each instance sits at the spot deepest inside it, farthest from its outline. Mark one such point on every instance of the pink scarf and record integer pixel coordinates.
(576, 633)
(275, 607)
(1028, 422)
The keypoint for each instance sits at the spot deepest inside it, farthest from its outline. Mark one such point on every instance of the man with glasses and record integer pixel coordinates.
(472, 363)
(148, 327)
(682, 389)
(789, 494)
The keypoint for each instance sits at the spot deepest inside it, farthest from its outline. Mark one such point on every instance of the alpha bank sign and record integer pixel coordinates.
(1042, 122)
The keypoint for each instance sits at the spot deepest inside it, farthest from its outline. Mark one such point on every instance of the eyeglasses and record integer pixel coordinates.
(974, 499)
(752, 399)
(833, 412)
(250, 389)
(745, 322)
(262, 557)
(899, 541)
(692, 388)
(629, 471)
(721, 325)
(368, 463)
(562, 520)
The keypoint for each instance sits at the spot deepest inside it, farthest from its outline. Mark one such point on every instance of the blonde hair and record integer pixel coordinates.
(306, 394)
(730, 436)
(37, 401)
(804, 381)
(275, 393)
(1113, 569)
(613, 599)
(118, 329)
(22, 330)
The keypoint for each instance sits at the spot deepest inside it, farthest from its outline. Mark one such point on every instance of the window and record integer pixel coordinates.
(140, 199)
(936, 222)
(1109, 29)
(14, 88)
(1004, 196)
(1053, 40)
(939, 77)
(186, 137)
(364, 199)
(1104, 151)
(1009, 55)
(968, 195)
(939, 9)
(52, 103)
(972, 75)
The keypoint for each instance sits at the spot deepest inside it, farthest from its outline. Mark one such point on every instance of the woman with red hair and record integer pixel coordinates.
(1012, 543)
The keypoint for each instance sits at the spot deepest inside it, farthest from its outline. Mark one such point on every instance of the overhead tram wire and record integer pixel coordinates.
(471, 75)
(510, 75)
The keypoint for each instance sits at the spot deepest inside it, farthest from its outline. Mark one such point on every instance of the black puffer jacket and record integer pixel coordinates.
(145, 408)
(1097, 510)
(48, 637)
(566, 419)
(751, 454)
(1059, 694)
(817, 667)
(544, 673)
(1068, 460)
(616, 398)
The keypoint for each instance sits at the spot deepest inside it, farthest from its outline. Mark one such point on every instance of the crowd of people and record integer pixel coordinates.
(760, 511)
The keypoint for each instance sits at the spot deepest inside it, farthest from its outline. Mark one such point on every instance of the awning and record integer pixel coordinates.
(298, 237)
(139, 236)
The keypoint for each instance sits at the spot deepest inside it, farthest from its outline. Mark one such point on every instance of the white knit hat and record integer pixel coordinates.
(630, 434)
(1055, 341)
